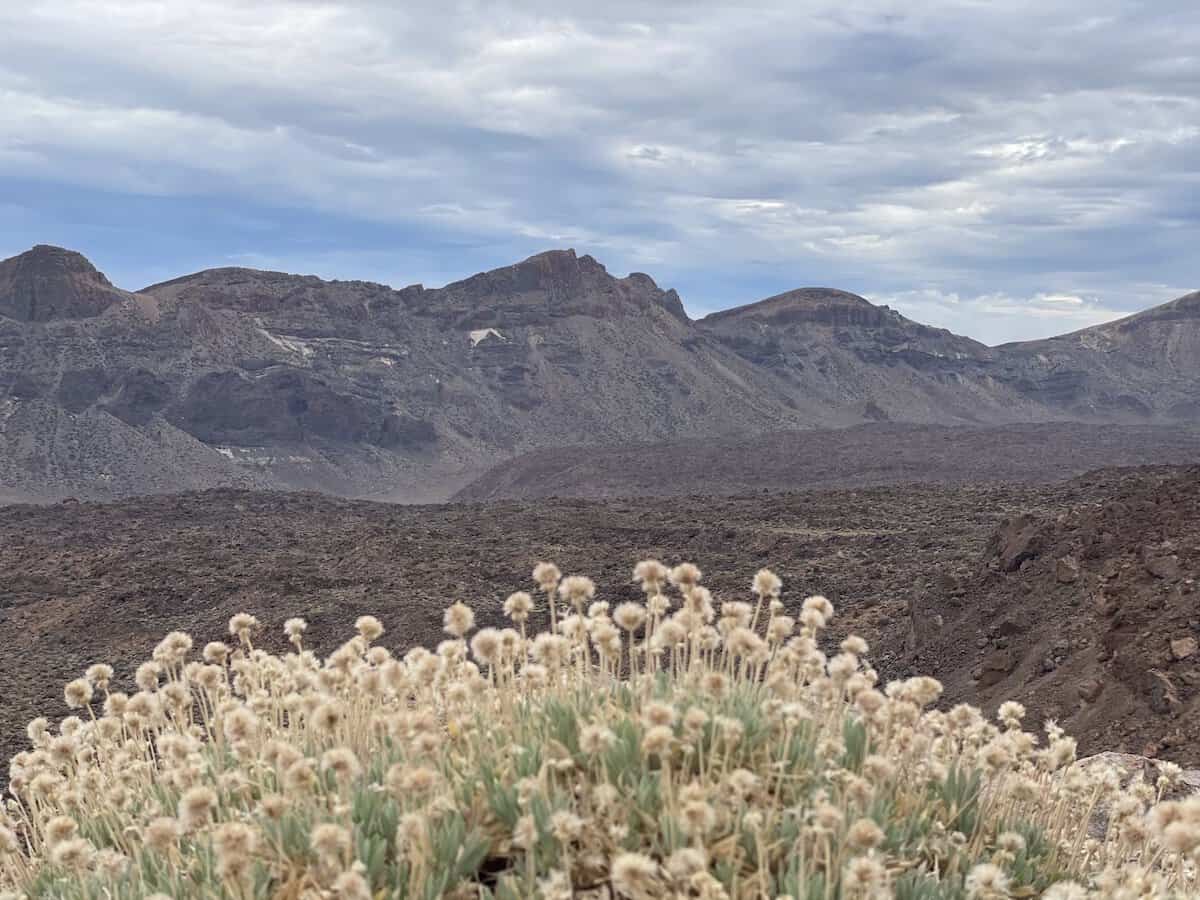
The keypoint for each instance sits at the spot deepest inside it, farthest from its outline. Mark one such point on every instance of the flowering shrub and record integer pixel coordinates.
(669, 748)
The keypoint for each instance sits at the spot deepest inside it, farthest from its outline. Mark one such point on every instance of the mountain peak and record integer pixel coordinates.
(811, 304)
(545, 286)
(49, 258)
(48, 282)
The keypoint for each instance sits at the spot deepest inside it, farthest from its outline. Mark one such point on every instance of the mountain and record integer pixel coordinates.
(1147, 365)
(245, 378)
(852, 354)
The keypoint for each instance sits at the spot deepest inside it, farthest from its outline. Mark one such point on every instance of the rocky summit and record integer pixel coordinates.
(237, 377)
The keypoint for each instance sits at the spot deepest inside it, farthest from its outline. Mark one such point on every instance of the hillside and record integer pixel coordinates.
(244, 378)
(1085, 612)
(103, 582)
(862, 456)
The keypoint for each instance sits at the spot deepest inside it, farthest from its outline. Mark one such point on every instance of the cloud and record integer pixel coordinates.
(1002, 155)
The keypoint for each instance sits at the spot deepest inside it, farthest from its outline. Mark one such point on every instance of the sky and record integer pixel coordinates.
(1008, 170)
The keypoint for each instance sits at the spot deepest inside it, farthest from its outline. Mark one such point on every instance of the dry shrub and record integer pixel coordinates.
(669, 748)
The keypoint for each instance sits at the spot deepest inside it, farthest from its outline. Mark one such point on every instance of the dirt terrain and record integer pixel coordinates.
(878, 454)
(82, 583)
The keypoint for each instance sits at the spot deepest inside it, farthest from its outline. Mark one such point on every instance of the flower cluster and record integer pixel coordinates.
(677, 747)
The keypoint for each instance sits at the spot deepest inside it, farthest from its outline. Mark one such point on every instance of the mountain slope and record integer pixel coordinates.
(1147, 364)
(851, 354)
(876, 454)
(841, 348)
(263, 379)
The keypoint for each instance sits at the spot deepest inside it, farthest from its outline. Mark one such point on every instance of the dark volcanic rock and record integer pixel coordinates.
(88, 582)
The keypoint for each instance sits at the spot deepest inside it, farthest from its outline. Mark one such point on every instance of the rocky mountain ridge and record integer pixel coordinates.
(239, 377)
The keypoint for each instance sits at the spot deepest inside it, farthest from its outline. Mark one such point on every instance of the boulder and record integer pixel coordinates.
(1017, 541)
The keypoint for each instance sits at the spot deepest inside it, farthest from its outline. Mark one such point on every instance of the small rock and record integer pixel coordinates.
(1184, 647)
(997, 665)
(1163, 566)
(1066, 570)
(1163, 698)
(1008, 627)
(1091, 689)
(948, 584)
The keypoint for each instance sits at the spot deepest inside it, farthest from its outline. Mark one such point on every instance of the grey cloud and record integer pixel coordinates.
(947, 149)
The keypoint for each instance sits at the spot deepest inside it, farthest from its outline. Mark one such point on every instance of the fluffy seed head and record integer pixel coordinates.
(195, 806)
(863, 835)
(172, 649)
(595, 739)
(485, 646)
(59, 829)
(369, 628)
(518, 606)
(458, 619)
(330, 841)
(294, 628)
(242, 625)
(78, 693)
(578, 590)
(657, 740)
(546, 575)
(99, 674)
(75, 855)
(342, 762)
(986, 882)
(630, 616)
(651, 574)
(863, 874)
(215, 653)
(685, 575)
(635, 875)
(351, 885)
(161, 834)
(766, 583)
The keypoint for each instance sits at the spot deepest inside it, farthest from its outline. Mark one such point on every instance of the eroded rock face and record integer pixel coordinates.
(49, 283)
(286, 405)
(1110, 649)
